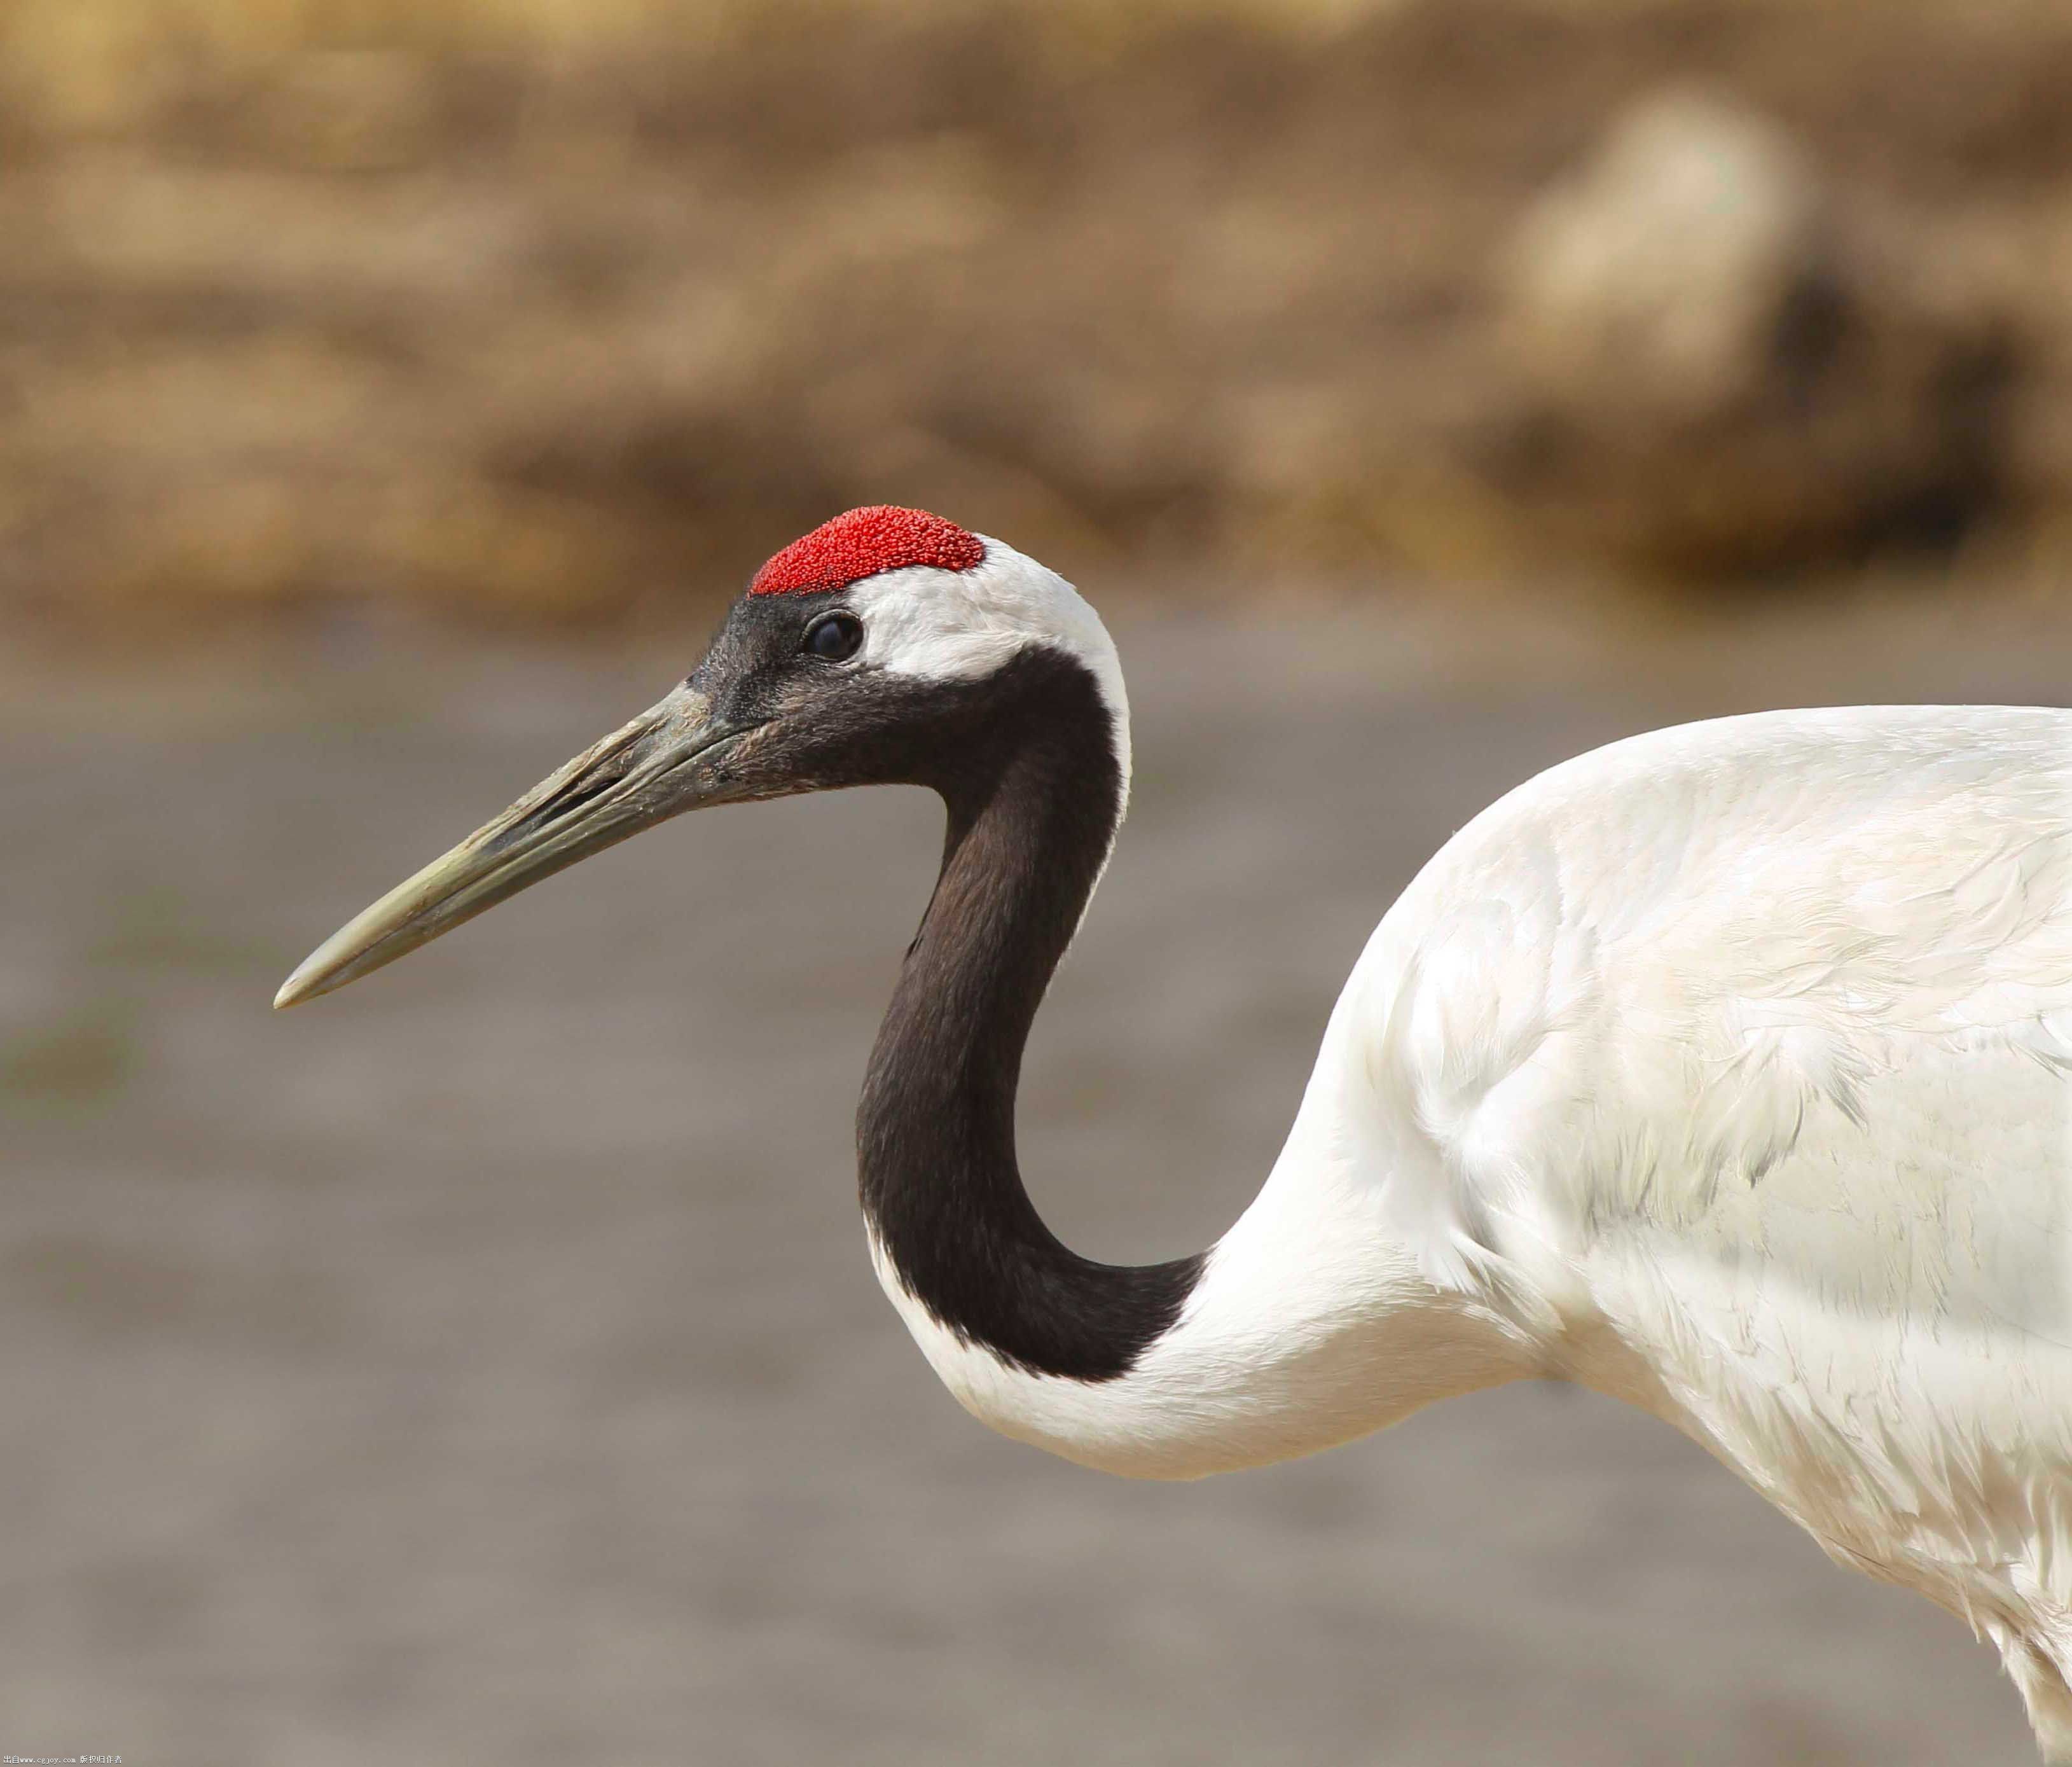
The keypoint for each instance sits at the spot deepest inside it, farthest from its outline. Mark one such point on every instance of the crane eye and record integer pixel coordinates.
(833, 637)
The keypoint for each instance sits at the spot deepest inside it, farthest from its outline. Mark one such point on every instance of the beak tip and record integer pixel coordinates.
(306, 982)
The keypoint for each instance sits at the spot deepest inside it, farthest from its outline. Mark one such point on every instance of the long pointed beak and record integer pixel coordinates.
(664, 762)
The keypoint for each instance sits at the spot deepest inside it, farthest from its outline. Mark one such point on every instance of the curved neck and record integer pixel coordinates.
(1033, 793)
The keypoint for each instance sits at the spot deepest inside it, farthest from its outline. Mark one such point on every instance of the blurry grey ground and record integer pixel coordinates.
(483, 1367)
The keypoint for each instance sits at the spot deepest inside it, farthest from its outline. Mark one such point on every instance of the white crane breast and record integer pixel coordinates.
(1736, 1057)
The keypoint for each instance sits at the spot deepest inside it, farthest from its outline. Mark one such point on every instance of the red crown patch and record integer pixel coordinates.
(863, 542)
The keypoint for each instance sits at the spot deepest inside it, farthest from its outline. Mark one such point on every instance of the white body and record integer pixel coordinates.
(1727, 1070)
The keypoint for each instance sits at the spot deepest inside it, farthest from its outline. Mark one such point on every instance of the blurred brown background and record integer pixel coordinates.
(484, 1366)
(520, 307)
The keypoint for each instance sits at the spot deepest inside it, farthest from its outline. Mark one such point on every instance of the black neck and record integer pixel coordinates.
(1033, 795)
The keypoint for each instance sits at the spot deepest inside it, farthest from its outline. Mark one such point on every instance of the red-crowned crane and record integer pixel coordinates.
(1727, 1070)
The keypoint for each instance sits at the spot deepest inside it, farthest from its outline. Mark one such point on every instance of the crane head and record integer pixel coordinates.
(880, 649)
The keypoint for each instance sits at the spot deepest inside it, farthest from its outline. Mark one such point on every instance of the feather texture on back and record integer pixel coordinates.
(1737, 1057)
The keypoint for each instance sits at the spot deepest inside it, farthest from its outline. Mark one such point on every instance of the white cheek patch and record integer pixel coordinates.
(962, 625)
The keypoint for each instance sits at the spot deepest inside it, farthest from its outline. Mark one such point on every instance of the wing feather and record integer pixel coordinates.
(1752, 1040)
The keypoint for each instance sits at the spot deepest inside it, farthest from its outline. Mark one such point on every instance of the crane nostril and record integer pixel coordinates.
(579, 793)
(590, 792)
